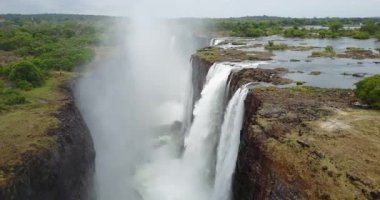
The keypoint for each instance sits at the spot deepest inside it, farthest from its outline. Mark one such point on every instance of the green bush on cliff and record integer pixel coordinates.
(368, 90)
(26, 72)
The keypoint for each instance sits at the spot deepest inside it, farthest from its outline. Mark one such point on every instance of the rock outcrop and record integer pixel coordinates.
(63, 172)
(301, 142)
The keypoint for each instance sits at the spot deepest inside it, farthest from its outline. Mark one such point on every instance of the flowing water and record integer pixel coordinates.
(150, 144)
(335, 72)
(228, 146)
(201, 172)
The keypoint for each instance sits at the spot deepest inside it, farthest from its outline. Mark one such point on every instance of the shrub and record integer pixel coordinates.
(24, 85)
(12, 97)
(26, 71)
(368, 90)
(272, 46)
(295, 32)
(255, 32)
(377, 35)
(2, 86)
(327, 34)
(328, 52)
(360, 35)
(335, 26)
(329, 49)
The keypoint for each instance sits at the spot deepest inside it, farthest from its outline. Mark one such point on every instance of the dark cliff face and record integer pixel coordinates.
(290, 150)
(255, 175)
(199, 72)
(61, 173)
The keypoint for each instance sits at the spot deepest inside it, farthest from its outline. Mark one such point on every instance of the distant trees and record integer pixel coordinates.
(335, 26)
(370, 27)
(40, 44)
(290, 27)
(44, 43)
(361, 35)
(296, 32)
(378, 35)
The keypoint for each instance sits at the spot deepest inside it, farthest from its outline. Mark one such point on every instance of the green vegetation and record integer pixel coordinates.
(37, 55)
(315, 73)
(272, 46)
(26, 73)
(335, 26)
(295, 27)
(327, 52)
(296, 32)
(368, 90)
(361, 35)
(215, 54)
(11, 97)
(33, 46)
(294, 60)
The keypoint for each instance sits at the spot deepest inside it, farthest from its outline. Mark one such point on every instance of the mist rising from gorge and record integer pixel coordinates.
(125, 99)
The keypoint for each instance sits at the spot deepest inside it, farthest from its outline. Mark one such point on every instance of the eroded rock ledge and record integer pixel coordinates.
(302, 142)
(60, 173)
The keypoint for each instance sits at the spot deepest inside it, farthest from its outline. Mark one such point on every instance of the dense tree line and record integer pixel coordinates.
(291, 27)
(43, 43)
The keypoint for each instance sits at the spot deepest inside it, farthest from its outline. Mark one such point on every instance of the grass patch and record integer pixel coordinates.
(301, 88)
(23, 127)
(271, 46)
(215, 54)
(327, 52)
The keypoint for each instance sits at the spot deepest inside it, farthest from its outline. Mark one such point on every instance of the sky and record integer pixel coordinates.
(198, 8)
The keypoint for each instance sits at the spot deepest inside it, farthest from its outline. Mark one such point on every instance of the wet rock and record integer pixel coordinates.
(359, 75)
(294, 60)
(375, 194)
(303, 144)
(346, 74)
(281, 70)
(315, 73)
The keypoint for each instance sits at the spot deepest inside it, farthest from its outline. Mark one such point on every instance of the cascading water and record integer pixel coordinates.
(201, 172)
(190, 176)
(229, 145)
(139, 157)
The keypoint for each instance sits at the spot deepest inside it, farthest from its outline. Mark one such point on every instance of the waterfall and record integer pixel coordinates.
(191, 175)
(208, 115)
(204, 171)
(216, 41)
(229, 145)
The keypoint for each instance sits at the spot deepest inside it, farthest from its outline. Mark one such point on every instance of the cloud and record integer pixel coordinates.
(198, 8)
